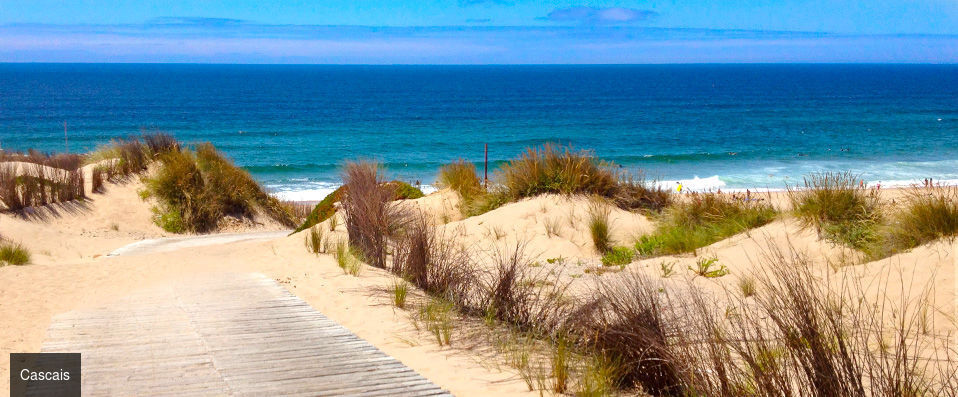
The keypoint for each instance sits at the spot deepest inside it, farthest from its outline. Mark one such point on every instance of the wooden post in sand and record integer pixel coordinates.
(485, 170)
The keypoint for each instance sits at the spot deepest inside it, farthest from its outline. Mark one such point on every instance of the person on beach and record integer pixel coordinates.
(678, 188)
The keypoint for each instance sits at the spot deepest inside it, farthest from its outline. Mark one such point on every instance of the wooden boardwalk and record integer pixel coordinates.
(233, 334)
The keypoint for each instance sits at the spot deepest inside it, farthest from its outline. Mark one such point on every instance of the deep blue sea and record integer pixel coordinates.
(715, 126)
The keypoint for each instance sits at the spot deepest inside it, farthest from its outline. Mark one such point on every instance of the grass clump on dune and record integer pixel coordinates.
(372, 217)
(599, 224)
(554, 169)
(839, 208)
(702, 219)
(551, 169)
(13, 254)
(195, 191)
(928, 215)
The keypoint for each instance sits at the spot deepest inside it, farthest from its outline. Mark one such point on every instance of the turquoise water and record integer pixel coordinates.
(730, 126)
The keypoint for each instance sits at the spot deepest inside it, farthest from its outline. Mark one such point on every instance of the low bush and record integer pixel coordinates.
(13, 254)
(437, 316)
(195, 191)
(618, 256)
(323, 210)
(839, 207)
(316, 241)
(399, 291)
(703, 219)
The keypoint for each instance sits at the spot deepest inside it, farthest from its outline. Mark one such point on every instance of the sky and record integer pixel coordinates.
(479, 31)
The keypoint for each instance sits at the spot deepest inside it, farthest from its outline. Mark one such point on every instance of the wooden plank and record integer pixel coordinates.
(234, 334)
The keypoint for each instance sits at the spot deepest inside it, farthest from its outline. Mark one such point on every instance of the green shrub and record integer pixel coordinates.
(705, 267)
(169, 220)
(13, 254)
(618, 256)
(405, 191)
(236, 190)
(316, 241)
(839, 207)
(701, 220)
(195, 191)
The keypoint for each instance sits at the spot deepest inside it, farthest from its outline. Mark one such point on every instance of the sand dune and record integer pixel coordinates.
(69, 243)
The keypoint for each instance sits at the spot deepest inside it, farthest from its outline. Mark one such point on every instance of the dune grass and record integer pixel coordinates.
(839, 208)
(797, 336)
(700, 220)
(372, 217)
(599, 225)
(555, 169)
(399, 291)
(13, 254)
(196, 190)
(928, 215)
(316, 241)
(551, 168)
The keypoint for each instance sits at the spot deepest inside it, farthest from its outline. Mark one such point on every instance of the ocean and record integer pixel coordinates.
(711, 126)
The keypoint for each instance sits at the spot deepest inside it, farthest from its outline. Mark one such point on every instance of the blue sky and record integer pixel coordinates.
(479, 31)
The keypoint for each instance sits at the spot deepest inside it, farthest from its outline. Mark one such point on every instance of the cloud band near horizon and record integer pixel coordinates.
(212, 40)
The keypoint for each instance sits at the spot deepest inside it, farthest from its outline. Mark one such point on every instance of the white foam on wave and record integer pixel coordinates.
(316, 191)
(695, 184)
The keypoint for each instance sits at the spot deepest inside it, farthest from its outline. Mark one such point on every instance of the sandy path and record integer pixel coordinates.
(168, 244)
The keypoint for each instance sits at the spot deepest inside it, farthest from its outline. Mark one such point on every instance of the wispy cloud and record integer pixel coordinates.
(211, 40)
(469, 3)
(600, 16)
(196, 21)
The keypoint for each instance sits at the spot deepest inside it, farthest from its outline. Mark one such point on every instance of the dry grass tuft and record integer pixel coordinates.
(371, 216)
(434, 262)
